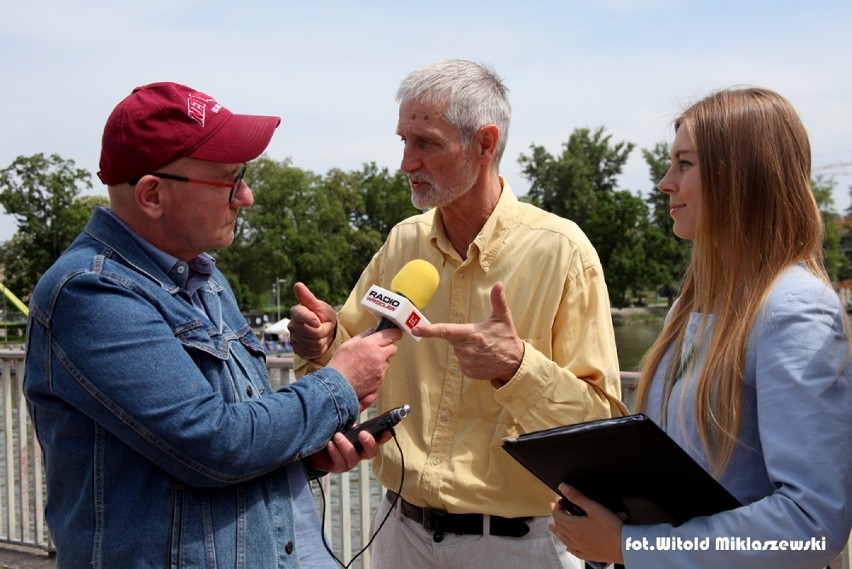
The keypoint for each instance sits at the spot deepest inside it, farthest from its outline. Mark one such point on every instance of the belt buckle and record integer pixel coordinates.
(432, 519)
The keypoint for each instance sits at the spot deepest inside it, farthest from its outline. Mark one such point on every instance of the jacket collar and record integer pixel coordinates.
(105, 228)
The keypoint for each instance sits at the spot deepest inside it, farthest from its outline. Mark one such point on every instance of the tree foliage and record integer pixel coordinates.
(572, 184)
(849, 207)
(41, 193)
(581, 184)
(835, 261)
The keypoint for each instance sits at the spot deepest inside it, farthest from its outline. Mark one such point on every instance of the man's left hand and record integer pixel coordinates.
(489, 350)
(340, 455)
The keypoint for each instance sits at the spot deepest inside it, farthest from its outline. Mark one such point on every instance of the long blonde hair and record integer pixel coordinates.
(759, 217)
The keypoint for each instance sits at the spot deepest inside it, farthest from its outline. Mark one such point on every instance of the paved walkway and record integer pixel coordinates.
(10, 559)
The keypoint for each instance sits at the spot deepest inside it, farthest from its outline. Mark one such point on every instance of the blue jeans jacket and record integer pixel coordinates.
(164, 445)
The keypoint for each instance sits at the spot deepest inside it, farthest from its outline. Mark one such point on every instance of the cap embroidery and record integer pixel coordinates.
(196, 107)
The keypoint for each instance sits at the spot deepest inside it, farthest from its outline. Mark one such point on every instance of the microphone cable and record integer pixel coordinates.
(381, 525)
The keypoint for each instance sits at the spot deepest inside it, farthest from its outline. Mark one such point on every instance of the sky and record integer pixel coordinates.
(330, 69)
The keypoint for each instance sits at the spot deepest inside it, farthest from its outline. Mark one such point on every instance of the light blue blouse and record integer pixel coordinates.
(793, 465)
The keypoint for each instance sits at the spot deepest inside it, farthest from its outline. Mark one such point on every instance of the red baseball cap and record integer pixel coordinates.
(158, 123)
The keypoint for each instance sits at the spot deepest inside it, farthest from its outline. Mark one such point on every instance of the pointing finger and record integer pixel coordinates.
(449, 332)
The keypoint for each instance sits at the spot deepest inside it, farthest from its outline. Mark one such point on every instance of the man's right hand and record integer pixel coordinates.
(364, 360)
(312, 324)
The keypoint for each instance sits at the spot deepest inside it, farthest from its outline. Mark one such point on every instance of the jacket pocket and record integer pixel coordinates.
(191, 532)
(195, 336)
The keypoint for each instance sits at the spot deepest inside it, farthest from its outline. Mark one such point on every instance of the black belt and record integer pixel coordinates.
(443, 522)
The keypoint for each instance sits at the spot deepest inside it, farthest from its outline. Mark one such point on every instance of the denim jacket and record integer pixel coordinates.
(164, 444)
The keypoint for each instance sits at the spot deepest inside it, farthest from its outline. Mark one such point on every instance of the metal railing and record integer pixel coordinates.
(22, 489)
(347, 500)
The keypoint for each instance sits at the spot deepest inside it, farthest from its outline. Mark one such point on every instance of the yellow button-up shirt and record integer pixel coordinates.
(452, 438)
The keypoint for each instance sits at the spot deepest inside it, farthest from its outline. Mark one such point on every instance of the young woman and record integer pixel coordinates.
(751, 373)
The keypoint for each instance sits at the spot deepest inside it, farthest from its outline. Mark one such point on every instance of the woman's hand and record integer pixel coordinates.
(593, 537)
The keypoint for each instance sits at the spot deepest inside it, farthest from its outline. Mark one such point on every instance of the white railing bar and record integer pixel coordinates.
(9, 451)
(23, 455)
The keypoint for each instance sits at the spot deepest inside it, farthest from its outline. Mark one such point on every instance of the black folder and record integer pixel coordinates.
(628, 464)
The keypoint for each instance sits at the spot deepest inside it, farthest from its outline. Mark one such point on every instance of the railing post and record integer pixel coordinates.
(364, 478)
(24, 429)
(8, 426)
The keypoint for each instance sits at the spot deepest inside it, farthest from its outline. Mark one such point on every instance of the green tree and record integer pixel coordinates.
(384, 200)
(278, 237)
(658, 160)
(835, 261)
(571, 184)
(622, 248)
(41, 193)
(581, 184)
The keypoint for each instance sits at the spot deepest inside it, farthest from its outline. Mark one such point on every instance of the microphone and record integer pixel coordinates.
(413, 286)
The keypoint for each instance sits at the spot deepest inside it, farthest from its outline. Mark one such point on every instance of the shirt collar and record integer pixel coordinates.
(200, 267)
(490, 238)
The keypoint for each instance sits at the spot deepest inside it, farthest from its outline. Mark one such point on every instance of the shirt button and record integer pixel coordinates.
(289, 547)
(181, 269)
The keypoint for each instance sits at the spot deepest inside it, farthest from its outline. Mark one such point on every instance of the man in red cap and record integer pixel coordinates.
(164, 444)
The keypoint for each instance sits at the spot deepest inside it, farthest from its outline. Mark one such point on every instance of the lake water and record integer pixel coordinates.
(632, 341)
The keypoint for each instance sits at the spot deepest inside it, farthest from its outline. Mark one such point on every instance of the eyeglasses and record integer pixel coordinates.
(235, 185)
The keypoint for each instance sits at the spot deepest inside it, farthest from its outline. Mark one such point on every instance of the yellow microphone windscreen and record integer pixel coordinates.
(417, 281)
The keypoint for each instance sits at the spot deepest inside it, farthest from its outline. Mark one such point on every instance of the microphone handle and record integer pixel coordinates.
(384, 324)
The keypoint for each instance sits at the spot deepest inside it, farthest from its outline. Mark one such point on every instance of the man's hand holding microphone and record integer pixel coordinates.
(363, 359)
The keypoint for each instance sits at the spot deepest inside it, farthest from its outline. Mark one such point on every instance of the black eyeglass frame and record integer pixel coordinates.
(234, 186)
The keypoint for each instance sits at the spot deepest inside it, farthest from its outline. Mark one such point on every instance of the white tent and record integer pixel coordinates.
(278, 328)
